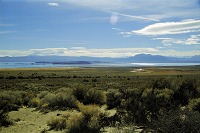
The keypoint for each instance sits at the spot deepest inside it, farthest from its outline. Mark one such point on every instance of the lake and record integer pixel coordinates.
(49, 65)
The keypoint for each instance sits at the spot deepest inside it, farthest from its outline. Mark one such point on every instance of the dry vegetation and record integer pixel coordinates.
(155, 99)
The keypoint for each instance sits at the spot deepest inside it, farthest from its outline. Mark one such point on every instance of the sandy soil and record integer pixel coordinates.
(28, 120)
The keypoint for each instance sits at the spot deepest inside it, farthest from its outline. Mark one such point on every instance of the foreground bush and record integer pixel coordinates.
(187, 90)
(194, 104)
(4, 121)
(89, 118)
(178, 121)
(9, 101)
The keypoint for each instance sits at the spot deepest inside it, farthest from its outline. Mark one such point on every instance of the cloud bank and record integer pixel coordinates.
(192, 40)
(80, 51)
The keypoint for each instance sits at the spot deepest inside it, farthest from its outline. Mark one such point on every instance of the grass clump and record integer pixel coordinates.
(58, 123)
(75, 123)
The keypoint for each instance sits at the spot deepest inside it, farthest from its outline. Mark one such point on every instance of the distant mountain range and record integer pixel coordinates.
(139, 58)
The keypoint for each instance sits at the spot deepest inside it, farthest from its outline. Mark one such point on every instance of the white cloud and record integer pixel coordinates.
(192, 40)
(186, 26)
(80, 51)
(53, 4)
(112, 52)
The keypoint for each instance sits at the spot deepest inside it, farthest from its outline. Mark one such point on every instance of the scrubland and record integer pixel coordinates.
(78, 100)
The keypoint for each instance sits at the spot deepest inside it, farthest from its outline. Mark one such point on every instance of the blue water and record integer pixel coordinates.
(48, 65)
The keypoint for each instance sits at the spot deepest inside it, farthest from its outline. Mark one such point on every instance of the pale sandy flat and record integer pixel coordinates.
(28, 120)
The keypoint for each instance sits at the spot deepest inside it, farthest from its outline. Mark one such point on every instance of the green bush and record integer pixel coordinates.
(95, 97)
(114, 98)
(61, 100)
(80, 92)
(4, 121)
(194, 104)
(35, 102)
(89, 95)
(161, 83)
(10, 100)
(89, 118)
(49, 99)
(42, 94)
(178, 121)
(187, 90)
(65, 100)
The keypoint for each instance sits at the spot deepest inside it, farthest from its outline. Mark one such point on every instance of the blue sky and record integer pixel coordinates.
(99, 28)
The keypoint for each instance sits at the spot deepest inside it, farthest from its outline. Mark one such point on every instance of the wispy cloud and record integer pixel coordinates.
(7, 32)
(116, 16)
(186, 26)
(53, 4)
(100, 4)
(80, 51)
(138, 17)
(192, 40)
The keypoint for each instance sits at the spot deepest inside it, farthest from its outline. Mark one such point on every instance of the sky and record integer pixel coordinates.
(99, 28)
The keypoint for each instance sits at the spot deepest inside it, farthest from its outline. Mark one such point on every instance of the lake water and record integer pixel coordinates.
(48, 65)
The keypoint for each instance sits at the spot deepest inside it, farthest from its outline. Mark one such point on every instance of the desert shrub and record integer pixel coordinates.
(132, 102)
(178, 121)
(10, 100)
(114, 98)
(121, 129)
(95, 97)
(75, 123)
(89, 95)
(87, 119)
(187, 90)
(163, 97)
(57, 123)
(93, 115)
(4, 121)
(11, 77)
(35, 102)
(49, 99)
(161, 83)
(59, 101)
(80, 92)
(65, 100)
(42, 94)
(155, 101)
(194, 104)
